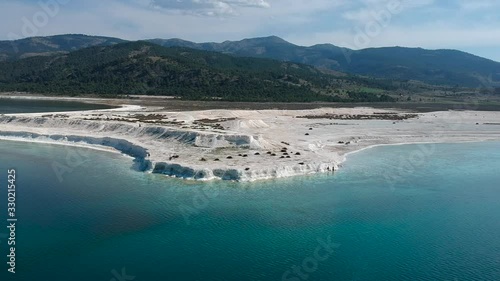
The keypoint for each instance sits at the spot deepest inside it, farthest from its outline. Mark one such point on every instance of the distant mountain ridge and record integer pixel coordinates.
(265, 47)
(43, 46)
(445, 67)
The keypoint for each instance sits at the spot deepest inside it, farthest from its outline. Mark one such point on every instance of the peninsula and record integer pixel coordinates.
(246, 145)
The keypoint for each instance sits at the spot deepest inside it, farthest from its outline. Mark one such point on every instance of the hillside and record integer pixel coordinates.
(446, 67)
(147, 68)
(266, 47)
(46, 46)
(435, 67)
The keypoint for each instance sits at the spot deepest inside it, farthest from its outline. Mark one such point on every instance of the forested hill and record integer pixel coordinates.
(441, 67)
(46, 46)
(147, 68)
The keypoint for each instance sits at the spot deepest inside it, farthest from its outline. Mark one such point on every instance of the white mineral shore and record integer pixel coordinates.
(235, 144)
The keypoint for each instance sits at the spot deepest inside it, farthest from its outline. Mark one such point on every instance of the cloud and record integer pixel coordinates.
(251, 3)
(478, 5)
(365, 10)
(209, 7)
(423, 36)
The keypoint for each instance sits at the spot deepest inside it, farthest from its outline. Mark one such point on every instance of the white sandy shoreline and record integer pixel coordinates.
(24, 96)
(63, 143)
(412, 143)
(236, 144)
(115, 151)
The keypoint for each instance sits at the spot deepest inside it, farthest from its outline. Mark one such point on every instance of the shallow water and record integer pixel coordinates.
(10, 106)
(394, 213)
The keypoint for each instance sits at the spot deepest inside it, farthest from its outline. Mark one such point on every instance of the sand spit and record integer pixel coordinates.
(246, 145)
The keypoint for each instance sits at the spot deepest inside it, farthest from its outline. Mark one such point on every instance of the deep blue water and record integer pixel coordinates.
(394, 213)
(9, 106)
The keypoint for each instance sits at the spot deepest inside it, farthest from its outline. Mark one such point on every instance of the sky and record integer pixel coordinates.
(468, 25)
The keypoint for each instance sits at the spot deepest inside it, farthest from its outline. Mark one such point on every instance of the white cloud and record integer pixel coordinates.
(478, 5)
(209, 7)
(362, 15)
(251, 3)
(420, 36)
(366, 10)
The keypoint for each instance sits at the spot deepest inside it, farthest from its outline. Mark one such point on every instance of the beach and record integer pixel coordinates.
(246, 145)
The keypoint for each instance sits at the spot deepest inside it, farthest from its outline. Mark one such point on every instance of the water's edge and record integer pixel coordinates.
(141, 162)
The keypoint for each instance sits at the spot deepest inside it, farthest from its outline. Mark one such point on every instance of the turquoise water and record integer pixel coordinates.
(10, 106)
(92, 218)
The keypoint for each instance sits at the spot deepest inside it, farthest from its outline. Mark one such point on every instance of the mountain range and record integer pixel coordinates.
(135, 68)
(440, 67)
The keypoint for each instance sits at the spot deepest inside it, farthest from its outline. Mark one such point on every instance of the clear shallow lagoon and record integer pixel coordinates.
(10, 106)
(437, 221)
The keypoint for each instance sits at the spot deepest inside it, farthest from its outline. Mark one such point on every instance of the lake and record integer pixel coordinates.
(10, 106)
(86, 215)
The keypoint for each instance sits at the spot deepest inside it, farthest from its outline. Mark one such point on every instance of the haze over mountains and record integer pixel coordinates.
(441, 67)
